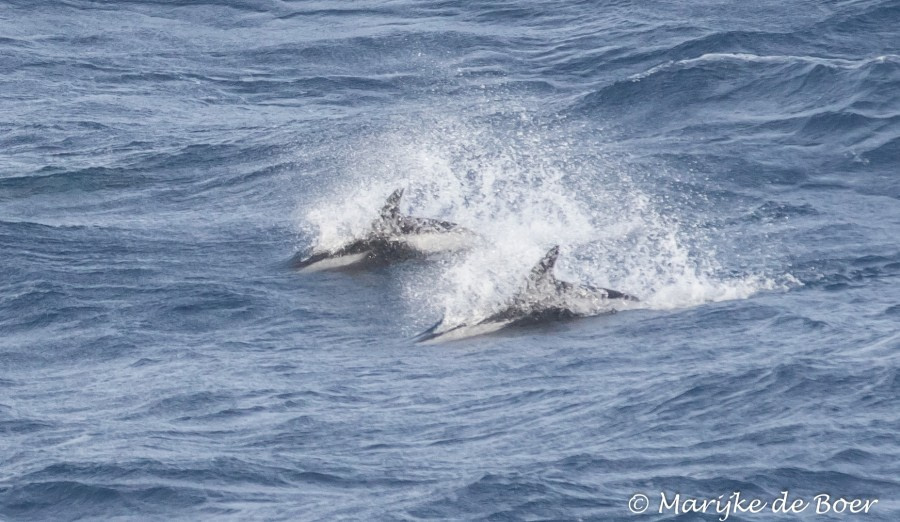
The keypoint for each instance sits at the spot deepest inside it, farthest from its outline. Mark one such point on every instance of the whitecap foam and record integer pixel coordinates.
(836, 63)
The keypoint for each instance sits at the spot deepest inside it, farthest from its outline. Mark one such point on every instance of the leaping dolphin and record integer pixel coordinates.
(392, 237)
(543, 298)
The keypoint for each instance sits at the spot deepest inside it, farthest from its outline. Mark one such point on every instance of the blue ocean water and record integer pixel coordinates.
(733, 164)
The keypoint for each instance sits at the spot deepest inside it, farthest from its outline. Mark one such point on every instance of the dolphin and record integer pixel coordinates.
(392, 237)
(543, 298)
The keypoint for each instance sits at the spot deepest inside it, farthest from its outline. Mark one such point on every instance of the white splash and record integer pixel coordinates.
(524, 185)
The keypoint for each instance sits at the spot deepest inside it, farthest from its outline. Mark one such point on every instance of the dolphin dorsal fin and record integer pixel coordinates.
(391, 207)
(544, 268)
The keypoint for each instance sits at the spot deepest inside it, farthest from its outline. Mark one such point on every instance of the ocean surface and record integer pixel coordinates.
(736, 165)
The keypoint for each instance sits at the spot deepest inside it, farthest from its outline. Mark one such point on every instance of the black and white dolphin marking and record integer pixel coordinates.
(544, 298)
(393, 237)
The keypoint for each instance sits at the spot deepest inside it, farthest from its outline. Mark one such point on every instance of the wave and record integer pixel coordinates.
(736, 88)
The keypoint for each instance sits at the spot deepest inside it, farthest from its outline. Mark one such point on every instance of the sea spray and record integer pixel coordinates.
(525, 184)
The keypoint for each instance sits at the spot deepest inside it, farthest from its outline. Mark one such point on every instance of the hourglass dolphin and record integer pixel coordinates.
(543, 298)
(392, 237)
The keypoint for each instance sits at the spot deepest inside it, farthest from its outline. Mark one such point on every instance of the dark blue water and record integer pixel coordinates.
(735, 165)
